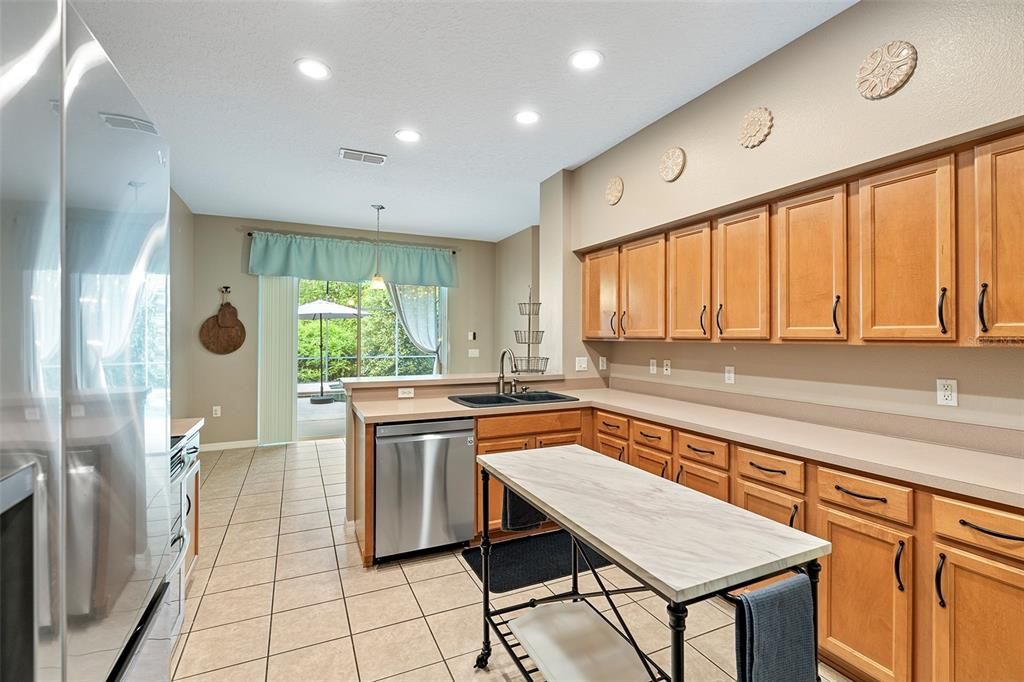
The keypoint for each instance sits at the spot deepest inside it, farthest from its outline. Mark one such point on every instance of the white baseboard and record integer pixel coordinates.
(208, 447)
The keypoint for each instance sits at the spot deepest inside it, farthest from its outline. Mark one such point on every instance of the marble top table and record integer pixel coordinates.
(682, 544)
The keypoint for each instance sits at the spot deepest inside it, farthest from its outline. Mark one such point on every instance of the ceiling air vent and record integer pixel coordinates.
(123, 122)
(366, 157)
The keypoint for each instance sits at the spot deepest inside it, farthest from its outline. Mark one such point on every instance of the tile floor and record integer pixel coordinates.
(279, 592)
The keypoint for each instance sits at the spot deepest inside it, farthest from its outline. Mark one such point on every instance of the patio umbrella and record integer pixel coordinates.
(324, 310)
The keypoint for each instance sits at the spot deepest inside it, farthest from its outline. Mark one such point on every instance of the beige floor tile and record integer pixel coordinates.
(253, 671)
(244, 574)
(234, 605)
(334, 489)
(436, 672)
(247, 550)
(210, 519)
(830, 674)
(348, 555)
(457, 631)
(336, 502)
(308, 625)
(224, 646)
(260, 513)
(306, 563)
(276, 476)
(380, 608)
(252, 487)
(695, 666)
(257, 500)
(431, 567)
(519, 597)
(215, 505)
(200, 576)
(307, 590)
(308, 493)
(251, 530)
(213, 492)
(296, 507)
(343, 533)
(446, 592)
(294, 524)
(587, 583)
(720, 647)
(305, 540)
(395, 649)
(191, 606)
(331, 661)
(649, 632)
(358, 580)
(211, 537)
(333, 479)
(700, 617)
(500, 667)
(306, 478)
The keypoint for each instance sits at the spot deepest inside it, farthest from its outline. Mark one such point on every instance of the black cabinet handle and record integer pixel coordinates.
(188, 508)
(981, 306)
(703, 329)
(622, 322)
(650, 435)
(770, 471)
(861, 495)
(938, 580)
(622, 451)
(192, 450)
(896, 566)
(609, 426)
(679, 473)
(941, 310)
(699, 451)
(718, 319)
(835, 318)
(993, 533)
(663, 466)
(611, 322)
(793, 513)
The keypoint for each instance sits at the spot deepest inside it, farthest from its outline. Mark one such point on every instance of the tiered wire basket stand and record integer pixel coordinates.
(530, 337)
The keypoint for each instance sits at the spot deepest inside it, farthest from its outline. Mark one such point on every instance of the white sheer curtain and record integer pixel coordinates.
(417, 310)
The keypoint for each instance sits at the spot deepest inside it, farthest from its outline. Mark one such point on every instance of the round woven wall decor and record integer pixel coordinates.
(672, 163)
(613, 190)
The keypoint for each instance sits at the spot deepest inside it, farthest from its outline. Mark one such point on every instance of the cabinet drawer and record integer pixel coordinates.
(552, 440)
(703, 479)
(530, 422)
(704, 450)
(991, 529)
(651, 435)
(781, 471)
(613, 447)
(612, 424)
(651, 461)
(771, 504)
(887, 500)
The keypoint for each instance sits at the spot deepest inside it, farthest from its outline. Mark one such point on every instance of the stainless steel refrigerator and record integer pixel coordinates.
(89, 564)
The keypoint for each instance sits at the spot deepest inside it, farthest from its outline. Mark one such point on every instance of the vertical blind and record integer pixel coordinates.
(277, 351)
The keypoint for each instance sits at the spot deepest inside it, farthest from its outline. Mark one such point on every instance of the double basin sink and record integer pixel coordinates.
(500, 399)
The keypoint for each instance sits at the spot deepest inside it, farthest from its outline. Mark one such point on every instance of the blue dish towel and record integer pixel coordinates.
(775, 633)
(518, 514)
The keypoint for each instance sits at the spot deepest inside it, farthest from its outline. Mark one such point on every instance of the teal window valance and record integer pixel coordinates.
(349, 260)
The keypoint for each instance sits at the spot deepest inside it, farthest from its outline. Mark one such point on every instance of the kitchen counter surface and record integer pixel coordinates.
(435, 380)
(681, 543)
(186, 426)
(987, 476)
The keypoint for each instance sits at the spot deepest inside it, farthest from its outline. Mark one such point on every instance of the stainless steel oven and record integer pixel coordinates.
(18, 589)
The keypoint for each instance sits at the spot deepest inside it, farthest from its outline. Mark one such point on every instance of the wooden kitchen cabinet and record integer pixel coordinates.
(810, 239)
(497, 490)
(642, 289)
(611, 446)
(908, 253)
(552, 440)
(866, 588)
(601, 294)
(977, 617)
(651, 461)
(772, 504)
(703, 479)
(689, 283)
(999, 206)
(742, 281)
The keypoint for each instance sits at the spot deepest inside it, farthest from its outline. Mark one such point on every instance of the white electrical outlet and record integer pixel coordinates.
(473, 353)
(730, 374)
(945, 392)
(471, 336)
(666, 368)
(602, 363)
(407, 392)
(581, 364)
(654, 366)
(216, 410)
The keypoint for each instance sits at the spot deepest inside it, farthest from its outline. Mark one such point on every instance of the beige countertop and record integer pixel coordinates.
(438, 380)
(186, 426)
(997, 478)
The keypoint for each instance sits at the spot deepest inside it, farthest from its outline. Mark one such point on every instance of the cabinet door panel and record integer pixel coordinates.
(865, 616)
(496, 490)
(908, 253)
(742, 275)
(612, 447)
(770, 504)
(555, 439)
(999, 169)
(601, 294)
(689, 283)
(703, 479)
(642, 288)
(651, 461)
(979, 633)
(811, 233)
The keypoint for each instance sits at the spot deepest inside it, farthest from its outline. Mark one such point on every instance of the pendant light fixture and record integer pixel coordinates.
(377, 281)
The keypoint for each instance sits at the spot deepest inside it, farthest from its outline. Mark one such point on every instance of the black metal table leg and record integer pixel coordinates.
(677, 624)
(485, 570)
(813, 572)
(575, 549)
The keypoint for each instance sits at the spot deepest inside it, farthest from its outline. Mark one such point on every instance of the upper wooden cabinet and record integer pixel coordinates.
(742, 279)
(908, 253)
(601, 294)
(689, 283)
(810, 239)
(642, 289)
(999, 197)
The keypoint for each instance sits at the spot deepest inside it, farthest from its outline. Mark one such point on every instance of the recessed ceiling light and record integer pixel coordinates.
(406, 135)
(313, 68)
(527, 118)
(585, 60)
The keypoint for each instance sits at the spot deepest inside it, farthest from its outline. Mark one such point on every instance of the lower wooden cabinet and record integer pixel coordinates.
(703, 479)
(865, 608)
(977, 618)
(553, 440)
(771, 504)
(613, 447)
(496, 490)
(652, 461)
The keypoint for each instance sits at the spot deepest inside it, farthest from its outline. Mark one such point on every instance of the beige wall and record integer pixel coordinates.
(221, 257)
(182, 234)
(971, 56)
(516, 270)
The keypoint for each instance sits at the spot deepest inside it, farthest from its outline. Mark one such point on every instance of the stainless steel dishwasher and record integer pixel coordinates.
(425, 485)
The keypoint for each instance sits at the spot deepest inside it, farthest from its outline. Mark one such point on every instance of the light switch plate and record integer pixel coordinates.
(602, 363)
(666, 368)
(473, 353)
(581, 364)
(216, 410)
(730, 374)
(945, 392)
(407, 392)
(654, 366)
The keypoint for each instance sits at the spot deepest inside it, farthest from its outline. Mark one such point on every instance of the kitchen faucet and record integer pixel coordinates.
(501, 371)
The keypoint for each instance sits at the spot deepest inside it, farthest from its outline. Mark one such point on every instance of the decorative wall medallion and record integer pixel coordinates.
(613, 190)
(756, 126)
(886, 69)
(672, 162)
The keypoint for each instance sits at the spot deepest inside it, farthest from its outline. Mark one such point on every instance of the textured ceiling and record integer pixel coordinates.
(251, 138)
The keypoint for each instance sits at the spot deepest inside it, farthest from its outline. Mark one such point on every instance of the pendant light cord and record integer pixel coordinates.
(378, 208)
